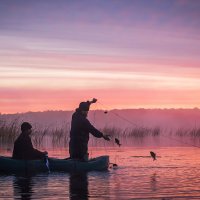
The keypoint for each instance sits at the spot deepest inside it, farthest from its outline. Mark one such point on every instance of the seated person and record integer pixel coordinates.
(23, 147)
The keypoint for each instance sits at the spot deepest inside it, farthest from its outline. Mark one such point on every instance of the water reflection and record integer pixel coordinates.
(175, 173)
(78, 186)
(23, 187)
(153, 182)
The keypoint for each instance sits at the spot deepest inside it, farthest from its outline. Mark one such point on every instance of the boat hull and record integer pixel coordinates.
(9, 165)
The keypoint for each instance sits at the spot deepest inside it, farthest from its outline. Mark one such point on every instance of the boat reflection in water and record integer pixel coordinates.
(22, 187)
(78, 186)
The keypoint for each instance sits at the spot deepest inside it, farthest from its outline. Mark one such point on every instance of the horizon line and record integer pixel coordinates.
(165, 108)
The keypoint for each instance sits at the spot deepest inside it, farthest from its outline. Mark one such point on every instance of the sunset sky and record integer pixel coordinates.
(125, 53)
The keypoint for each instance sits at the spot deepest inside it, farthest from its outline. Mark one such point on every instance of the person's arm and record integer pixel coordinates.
(32, 150)
(94, 131)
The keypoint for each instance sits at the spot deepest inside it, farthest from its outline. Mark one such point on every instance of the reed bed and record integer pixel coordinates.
(192, 132)
(8, 132)
(138, 132)
(56, 137)
(60, 136)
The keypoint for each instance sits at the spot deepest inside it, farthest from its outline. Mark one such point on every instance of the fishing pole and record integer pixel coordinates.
(168, 137)
(116, 114)
(116, 140)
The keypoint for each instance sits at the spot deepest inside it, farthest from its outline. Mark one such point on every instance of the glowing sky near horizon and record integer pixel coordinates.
(127, 54)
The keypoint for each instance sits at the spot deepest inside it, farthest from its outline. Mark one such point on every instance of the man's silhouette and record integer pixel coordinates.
(79, 133)
(23, 147)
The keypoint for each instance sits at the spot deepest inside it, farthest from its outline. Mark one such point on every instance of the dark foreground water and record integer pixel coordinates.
(174, 175)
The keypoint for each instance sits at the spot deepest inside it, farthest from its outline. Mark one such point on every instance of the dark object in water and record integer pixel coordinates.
(105, 112)
(113, 165)
(47, 162)
(153, 155)
(117, 142)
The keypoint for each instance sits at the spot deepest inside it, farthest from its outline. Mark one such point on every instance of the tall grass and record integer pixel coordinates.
(57, 136)
(192, 132)
(60, 136)
(8, 132)
(137, 132)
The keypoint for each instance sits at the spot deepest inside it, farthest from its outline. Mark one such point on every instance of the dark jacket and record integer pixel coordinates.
(79, 135)
(23, 149)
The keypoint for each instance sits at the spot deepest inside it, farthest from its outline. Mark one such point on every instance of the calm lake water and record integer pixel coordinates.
(174, 175)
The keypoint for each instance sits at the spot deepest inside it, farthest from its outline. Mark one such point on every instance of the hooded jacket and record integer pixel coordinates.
(23, 149)
(79, 135)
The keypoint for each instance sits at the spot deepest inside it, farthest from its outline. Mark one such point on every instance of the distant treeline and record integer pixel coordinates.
(123, 119)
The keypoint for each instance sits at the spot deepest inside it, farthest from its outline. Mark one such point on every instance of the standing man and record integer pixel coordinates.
(79, 133)
(23, 147)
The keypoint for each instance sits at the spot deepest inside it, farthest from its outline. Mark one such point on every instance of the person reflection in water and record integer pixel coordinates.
(79, 133)
(22, 187)
(23, 147)
(78, 187)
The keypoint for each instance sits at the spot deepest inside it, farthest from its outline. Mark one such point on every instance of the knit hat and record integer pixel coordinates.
(25, 126)
(84, 106)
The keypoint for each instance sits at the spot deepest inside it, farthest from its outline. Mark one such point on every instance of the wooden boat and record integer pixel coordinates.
(9, 165)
